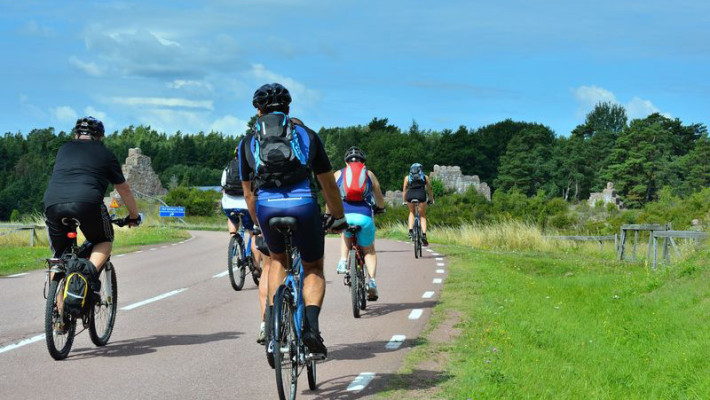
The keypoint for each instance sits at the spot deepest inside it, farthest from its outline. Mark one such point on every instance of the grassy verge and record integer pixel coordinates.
(17, 256)
(564, 324)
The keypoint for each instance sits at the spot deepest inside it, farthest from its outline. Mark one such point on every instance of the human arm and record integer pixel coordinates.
(377, 191)
(404, 190)
(429, 190)
(331, 194)
(124, 190)
(250, 199)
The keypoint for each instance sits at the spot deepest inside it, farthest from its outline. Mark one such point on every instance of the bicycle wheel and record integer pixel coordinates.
(59, 342)
(311, 369)
(417, 238)
(235, 264)
(354, 283)
(285, 345)
(103, 313)
(362, 289)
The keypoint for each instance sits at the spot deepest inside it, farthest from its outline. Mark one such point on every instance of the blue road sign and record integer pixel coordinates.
(172, 211)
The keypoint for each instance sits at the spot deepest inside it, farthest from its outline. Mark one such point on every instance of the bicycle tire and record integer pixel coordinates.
(286, 365)
(362, 292)
(417, 238)
(354, 283)
(106, 308)
(311, 370)
(58, 344)
(235, 264)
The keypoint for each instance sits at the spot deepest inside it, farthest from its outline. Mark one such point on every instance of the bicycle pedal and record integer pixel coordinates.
(315, 357)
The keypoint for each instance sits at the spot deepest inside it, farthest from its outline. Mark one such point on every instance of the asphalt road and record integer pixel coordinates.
(198, 341)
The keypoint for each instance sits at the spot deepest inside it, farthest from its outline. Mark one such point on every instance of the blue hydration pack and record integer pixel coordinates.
(277, 156)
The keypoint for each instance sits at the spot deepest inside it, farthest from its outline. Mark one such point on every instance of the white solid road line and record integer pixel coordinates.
(428, 295)
(439, 271)
(221, 274)
(430, 250)
(139, 251)
(436, 280)
(416, 313)
(156, 298)
(18, 275)
(361, 381)
(395, 342)
(22, 343)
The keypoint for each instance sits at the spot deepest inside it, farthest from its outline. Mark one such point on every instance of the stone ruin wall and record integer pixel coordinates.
(452, 178)
(139, 174)
(606, 196)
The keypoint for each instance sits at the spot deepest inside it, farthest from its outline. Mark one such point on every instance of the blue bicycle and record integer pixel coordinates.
(240, 257)
(289, 353)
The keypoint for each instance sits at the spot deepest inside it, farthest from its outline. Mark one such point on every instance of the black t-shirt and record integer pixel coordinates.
(317, 157)
(82, 172)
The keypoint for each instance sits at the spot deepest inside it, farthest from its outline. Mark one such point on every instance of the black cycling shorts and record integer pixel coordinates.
(416, 194)
(94, 221)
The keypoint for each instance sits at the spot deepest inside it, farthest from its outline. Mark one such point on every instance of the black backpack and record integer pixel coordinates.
(233, 184)
(278, 159)
(80, 284)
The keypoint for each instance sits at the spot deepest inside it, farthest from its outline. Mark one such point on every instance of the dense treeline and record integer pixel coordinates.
(641, 156)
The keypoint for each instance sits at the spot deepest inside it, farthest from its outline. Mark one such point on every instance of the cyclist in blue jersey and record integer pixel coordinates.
(280, 162)
(360, 191)
(417, 186)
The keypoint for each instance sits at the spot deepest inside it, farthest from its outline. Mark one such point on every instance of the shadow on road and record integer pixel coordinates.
(416, 380)
(379, 309)
(149, 344)
(362, 351)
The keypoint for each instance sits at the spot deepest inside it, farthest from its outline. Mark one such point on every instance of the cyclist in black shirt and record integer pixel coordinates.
(82, 171)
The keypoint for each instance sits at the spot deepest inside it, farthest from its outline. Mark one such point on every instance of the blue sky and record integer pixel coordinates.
(193, 66)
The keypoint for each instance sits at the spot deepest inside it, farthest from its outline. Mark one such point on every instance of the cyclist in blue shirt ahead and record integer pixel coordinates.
(280, 162)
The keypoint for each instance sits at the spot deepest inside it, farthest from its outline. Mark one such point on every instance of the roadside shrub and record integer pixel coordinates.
(195, 201)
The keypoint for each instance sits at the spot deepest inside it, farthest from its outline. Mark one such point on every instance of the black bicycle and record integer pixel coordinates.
(417, 231)
(240, 257)
(98, 316)
(289, 352)
(355, 276)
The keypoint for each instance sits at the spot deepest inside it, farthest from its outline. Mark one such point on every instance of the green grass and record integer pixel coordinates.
(570, 326)
(16, 257)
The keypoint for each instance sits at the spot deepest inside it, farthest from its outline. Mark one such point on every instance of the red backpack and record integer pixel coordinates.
(354, 182)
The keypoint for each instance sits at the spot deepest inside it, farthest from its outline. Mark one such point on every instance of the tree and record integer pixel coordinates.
(528, 163)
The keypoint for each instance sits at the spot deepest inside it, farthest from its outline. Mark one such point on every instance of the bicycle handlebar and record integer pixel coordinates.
(128, 220)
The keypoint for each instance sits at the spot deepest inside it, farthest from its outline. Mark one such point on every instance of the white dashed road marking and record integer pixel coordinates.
(439, 264)
(139, 251)
(439, 271)
(153, 249)
(22, 343)
(416, 313)
(18, 275)
(153, 299)
(436, 280)
(395, 342)
(221, 274)
(430, 250)
(120, 255)
(439, 259)
(427, 295)
(361, 381)
(436, 254)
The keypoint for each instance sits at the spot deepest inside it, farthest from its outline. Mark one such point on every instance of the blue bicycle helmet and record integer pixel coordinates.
(271, 95)
(89, 126)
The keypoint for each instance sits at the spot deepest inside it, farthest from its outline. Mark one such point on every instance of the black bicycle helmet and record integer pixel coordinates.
(89, 126)
(356, 153)
(270, 95)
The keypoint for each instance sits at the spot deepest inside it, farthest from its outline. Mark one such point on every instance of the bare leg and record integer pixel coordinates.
(370, 260)
(422, 216)
(344, 246)
(277, 273)
(231, 227)
(263, 282)
(411, 215)
(313, 283)
(100, 254)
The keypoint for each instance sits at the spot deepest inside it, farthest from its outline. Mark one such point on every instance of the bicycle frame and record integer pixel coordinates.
(294, 282)
(246, 249)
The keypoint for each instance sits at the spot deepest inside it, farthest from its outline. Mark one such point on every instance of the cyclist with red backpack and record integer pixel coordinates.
(416, 187)
(281, 162)
(361, 192)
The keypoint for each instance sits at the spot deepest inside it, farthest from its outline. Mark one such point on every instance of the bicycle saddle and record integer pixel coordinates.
(283, 224)
(354, 228)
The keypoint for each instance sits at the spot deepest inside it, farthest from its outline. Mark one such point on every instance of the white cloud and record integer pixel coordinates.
(183, 83)
(89, 67)
(64, 114)
(229, 125)
(590, 96)
(299, 92)
(32, 28)
(163, 102)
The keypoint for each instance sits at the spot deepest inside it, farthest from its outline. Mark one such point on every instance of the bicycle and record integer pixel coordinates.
(98, 315)
(286, 338)
(356, 274)
(417, 231)
(240, 256)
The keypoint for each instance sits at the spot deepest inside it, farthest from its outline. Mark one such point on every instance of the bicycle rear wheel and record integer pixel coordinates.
(103, 313)
(417, 239)
(354, 283)
(362, 290)
(285, 345)
(235, 263)
(59, 341)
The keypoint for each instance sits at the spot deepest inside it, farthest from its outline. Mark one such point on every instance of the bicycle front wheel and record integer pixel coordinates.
(103, 314)
(311, 369)
(58, 329)
(417, 239)
(354, 283)
(256, 270)
(362, 288)
(285, 345)
(235, 263)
